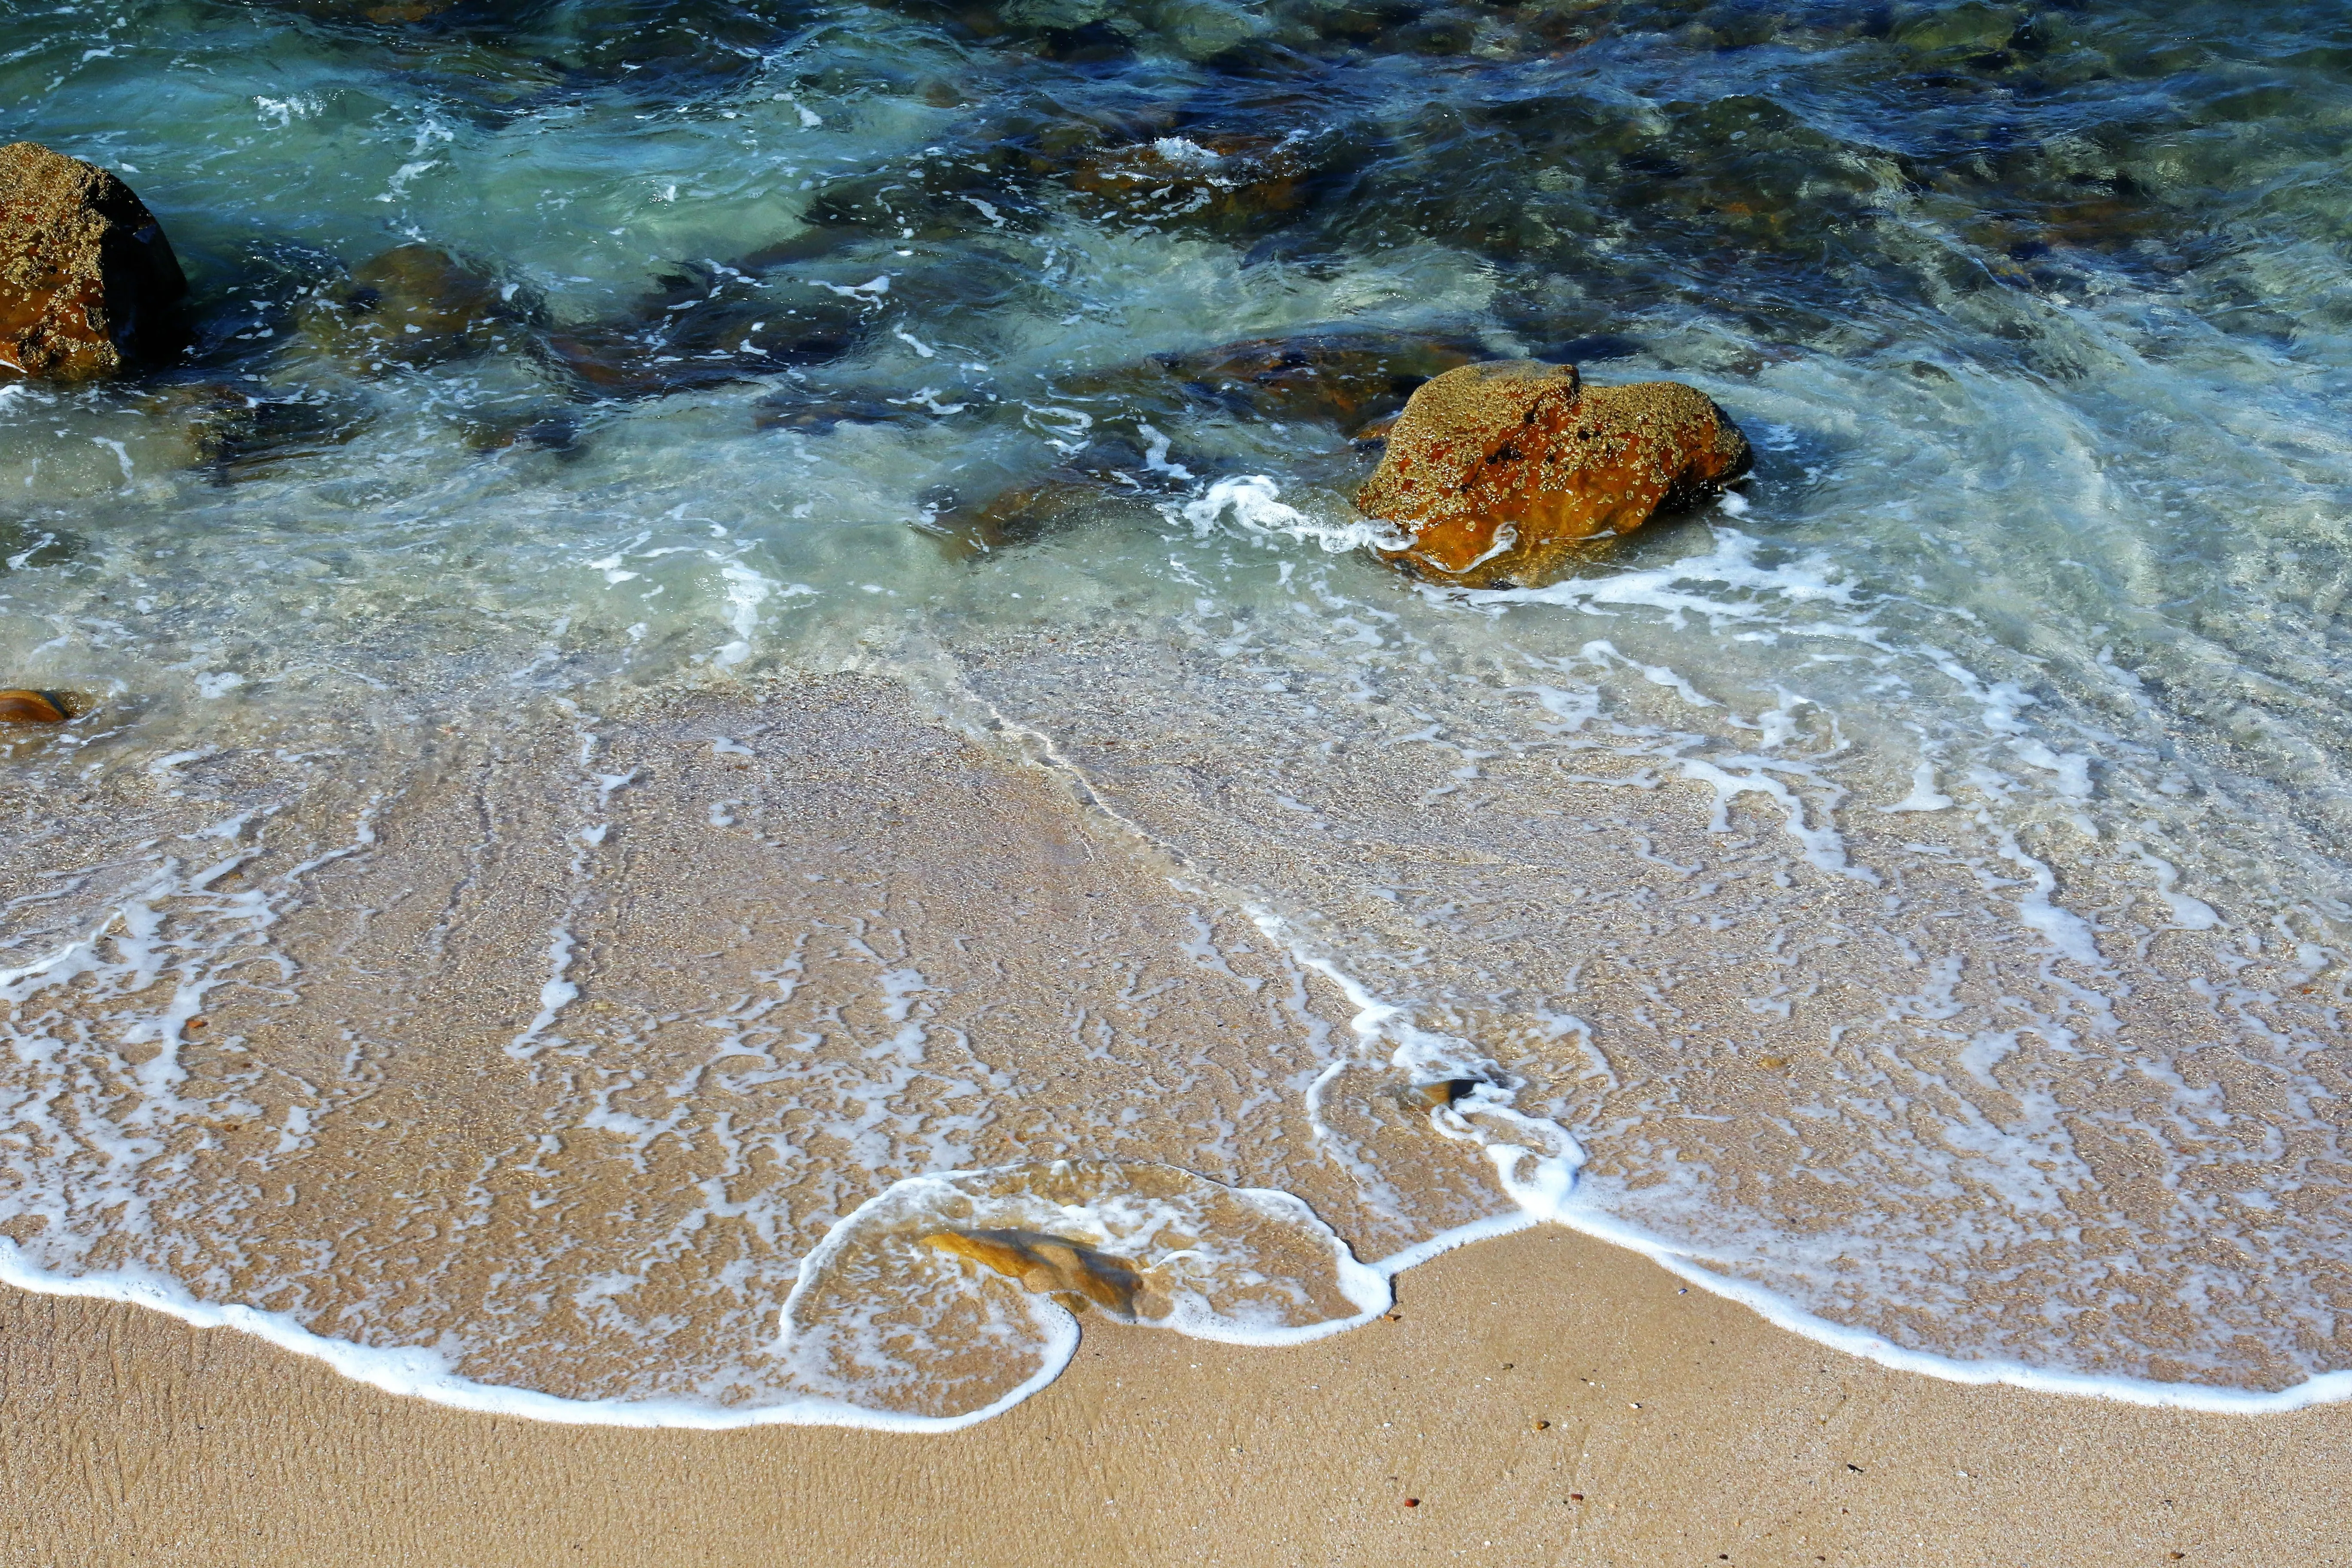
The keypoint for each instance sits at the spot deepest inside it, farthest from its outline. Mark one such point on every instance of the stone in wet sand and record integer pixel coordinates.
(1070, 1271)
(89, 285)
(1449, 1090)
(1500, 471)
(20, 707)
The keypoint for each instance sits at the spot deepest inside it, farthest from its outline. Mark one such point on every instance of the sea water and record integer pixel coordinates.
(811, 723)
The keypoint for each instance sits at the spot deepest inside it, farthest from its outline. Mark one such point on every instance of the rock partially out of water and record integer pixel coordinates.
(88, 285)
(1070, 1271)
(1501, 470)
(21, 707)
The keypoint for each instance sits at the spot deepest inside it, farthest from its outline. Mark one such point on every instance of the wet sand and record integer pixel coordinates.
(1682, 1430)
(1676, 1427)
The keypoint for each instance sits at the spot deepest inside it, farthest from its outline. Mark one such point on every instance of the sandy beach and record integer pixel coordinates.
(832, 781)
(1681, 1430)
(1543, 1397)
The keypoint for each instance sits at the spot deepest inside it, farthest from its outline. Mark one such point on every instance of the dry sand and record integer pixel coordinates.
(1682, 1430)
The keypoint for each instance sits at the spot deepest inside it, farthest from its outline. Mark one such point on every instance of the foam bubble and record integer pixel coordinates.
(1254, 503)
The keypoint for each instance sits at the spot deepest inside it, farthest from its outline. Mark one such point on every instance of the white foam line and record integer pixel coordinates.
(558, 993)
(2322, 1388)
(1445, 1241)
(418, 1372)
(1549, 1198)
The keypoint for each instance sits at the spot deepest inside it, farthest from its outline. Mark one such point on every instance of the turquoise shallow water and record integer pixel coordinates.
(1981, 768)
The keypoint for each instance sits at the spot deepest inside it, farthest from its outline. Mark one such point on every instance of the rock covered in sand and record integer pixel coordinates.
(87, 282)
(1499, 470)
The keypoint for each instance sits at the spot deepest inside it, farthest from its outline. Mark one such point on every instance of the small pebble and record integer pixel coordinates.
(1540, 1426)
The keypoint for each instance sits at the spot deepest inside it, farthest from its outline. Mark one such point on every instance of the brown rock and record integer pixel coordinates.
(1226, 184)
(414, 304)
(238, 435)
(1020, 514)
(87, 282)
(1347, 378)
(1449, 1090)
(1070, 1271)
(699, 329)
(1500, 471)
(30, 708)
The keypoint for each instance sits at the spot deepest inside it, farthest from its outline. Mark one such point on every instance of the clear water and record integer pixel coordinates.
(1916, 889)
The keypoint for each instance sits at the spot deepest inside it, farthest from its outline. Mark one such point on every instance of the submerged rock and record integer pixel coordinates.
(414, 304)
(527, 429)
(1018, 514)
(704, 327)
(381, 12)
(237, 434)
(1345, 376)
(817, 415)
(88, 285)
(1349, 378)
(1231, 36)
(1500, 471)
(1070, 1271)
(21, 707)
(1227, 184)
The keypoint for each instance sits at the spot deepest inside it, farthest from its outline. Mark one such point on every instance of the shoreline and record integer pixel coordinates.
(1054, 831)
(1678, 1426)
(418, 1372)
